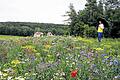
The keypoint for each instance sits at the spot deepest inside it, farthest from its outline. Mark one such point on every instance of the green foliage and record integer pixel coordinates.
(112, 12)
(90, 31)
(72, 19)
(94, 9)
(28, 29)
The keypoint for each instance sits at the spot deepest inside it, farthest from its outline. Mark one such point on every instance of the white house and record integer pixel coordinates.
(49, 34)
(38, 34)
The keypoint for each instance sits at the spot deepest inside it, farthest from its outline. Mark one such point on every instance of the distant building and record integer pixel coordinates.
(49, 34)
(38, 34)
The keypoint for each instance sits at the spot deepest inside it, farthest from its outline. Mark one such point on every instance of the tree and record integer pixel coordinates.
(112, 12)
(72, 20)
(91, 12)
(100, 8)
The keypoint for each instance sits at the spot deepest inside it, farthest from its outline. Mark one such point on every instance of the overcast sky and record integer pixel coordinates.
(43, 11)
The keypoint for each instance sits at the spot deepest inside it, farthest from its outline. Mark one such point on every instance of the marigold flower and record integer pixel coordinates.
(74, 73)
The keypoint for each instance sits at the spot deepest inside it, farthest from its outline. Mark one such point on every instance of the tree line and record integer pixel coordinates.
(28, 28)
(84, 22)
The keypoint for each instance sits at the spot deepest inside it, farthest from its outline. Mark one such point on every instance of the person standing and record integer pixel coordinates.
(100, 31)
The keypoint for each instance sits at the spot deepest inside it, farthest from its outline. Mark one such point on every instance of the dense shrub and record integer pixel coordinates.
(90, 31)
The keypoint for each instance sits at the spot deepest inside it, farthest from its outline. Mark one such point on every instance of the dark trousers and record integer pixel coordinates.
(100, 36)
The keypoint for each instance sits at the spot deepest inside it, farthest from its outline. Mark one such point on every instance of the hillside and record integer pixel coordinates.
(28, 28)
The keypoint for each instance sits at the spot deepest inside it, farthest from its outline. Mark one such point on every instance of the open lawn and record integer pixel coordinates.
(59, 58)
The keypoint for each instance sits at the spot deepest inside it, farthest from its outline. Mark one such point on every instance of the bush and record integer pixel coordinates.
(90, 31)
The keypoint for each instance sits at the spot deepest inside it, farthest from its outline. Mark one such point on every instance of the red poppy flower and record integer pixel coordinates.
(74, 73)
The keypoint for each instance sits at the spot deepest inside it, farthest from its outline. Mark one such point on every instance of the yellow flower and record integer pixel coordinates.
(98, 49)
(47, 46)
(29, 49)
(9, 78)
(73, 63)
(26, 74)
(15, 62)
(5, 74)
(19, 78)
(106, 57)
(107, 46)
(49, 55)
(78, 47)
(38, 54)
(85, 40)
(0, 73)
(45, 50)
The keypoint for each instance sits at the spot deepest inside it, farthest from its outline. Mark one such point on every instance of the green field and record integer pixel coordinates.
(3, 37)
(59, 58)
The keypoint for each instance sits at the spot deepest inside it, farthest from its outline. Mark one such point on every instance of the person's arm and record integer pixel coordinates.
(102, 26)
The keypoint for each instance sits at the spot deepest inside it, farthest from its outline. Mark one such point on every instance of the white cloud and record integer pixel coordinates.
(46, 11)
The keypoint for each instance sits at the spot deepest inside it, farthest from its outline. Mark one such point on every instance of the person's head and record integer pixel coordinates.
(100, 22)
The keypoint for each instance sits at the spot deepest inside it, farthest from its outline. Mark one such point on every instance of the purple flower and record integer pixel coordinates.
(103, 55)
(90, 55)
(111, 63)
(117, 77)
(93, 66)
(115, 62)
(82, 52)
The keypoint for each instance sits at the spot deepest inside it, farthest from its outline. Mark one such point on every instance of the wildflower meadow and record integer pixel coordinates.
(59, 58)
